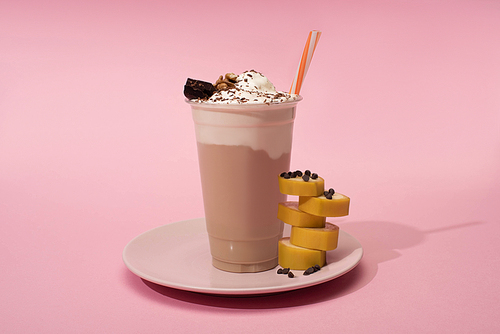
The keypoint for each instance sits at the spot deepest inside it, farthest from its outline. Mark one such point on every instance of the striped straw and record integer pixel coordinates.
(305, 61)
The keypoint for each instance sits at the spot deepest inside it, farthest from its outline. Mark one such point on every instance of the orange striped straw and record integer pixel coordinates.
(305, 61)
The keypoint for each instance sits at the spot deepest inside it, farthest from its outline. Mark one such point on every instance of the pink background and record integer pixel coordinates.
(401, 112)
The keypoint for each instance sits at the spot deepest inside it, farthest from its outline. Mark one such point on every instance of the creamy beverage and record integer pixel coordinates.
(244, 140)
(240, 192)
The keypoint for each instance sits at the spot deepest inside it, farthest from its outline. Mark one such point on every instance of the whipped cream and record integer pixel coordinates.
(251, 114)
(251, 87)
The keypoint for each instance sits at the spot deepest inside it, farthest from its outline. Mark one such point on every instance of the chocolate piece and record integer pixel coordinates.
(290, 274)
(309, 271)
(307, 172)
(197, 89)
(285, 271)
(298, 172)
(314, 176)
(305, 177)
(280, 271)
(317, 267)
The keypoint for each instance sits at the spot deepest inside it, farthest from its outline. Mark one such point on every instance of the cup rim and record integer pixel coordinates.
(246, 106)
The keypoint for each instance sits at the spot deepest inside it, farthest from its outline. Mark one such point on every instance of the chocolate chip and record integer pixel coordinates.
(305, 177)
(317, 267)
(290, 274)
(331, 191)
(298, 173)
(307, 172)
(280, 271)
(314, 176)
(285, 271)
(325, 193)
(328, 196)
(282, 174)
(286, 176)
(309, 271)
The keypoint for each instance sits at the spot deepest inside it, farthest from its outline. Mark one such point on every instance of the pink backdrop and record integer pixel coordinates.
(401, 112)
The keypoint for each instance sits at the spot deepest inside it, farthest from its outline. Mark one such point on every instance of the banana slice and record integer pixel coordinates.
(324, 239)
(301, 185)
(289, 213)
(298, 258)
(337, 206)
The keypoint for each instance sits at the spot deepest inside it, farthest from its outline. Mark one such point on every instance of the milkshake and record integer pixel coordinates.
(244, 133)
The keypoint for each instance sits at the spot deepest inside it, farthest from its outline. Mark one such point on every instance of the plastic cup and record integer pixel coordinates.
(241, 151)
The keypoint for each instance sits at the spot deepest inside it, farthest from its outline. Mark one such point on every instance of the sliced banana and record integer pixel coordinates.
(324, 239)
(289, 213)
(301, 185)
(337, 206)
(298, 258)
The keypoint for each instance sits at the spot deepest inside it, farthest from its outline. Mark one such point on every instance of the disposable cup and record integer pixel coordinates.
(241, 151)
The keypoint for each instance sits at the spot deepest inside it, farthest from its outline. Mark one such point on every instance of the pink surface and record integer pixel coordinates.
(401, 112)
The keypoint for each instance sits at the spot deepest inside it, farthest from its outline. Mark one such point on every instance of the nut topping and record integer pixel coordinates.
(226, 82)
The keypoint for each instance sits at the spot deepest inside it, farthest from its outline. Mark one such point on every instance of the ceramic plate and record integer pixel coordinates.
(177, 255)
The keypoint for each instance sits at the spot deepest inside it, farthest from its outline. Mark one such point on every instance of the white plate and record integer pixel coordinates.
(177, 255)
